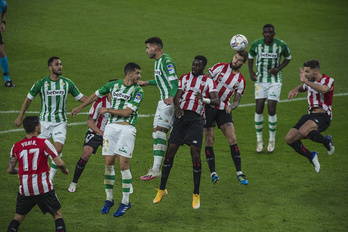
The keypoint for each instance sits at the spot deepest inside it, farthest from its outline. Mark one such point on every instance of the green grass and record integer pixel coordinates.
(95, 39)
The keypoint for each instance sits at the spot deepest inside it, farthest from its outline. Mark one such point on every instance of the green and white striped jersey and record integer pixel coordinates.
(53, 97)
(268, 57)
(165, 72)
(122, 96)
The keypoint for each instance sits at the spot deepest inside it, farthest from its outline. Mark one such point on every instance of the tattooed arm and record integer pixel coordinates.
(11, 166)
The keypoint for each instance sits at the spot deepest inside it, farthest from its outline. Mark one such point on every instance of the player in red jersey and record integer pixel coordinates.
(35, 188)
(319, 88)
(195, 90)
(229, 82)
(94, 136)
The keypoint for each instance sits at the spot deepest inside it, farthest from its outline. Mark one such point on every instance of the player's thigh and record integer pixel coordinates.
(261, 90)
(164, 115)
(58, 131)
(45, 130)
(24, 204)
(125, 144)
(274, 90)
(48, 202)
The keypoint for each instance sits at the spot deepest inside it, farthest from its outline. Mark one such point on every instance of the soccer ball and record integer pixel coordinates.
(238, 42)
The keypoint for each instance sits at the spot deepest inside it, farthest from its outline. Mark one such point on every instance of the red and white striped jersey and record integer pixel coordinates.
(33, 170)
(227, 83)
(320, 100)
(100, 119)
(190, 85)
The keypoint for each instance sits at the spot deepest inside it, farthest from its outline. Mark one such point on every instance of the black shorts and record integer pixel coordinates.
(47, 202)
(1, 39)
(321, 119)
(187, 130)
(93, 140)
(215, 115)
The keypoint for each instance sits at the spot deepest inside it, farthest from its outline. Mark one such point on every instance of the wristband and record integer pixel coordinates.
(206, 100)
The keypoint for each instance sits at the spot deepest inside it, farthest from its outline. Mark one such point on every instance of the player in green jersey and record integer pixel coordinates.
(119, 134)
(53, 90)
(268, 80)
(167, 82)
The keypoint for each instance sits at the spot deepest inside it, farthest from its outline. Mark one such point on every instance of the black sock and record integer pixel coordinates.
(209, 154)
(60, 225)
(315, 136)
(236, 157)
(301, 149)
(80, 166)
(197, 171)
(167, 166)
(13, 227)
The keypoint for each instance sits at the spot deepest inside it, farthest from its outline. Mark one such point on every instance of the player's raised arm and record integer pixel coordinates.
(88, 101)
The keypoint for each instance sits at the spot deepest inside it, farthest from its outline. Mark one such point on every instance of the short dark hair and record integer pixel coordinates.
(155, 40)
(111, 80)
(268, 26)
(202, 58)
(312, 64)
(50, 60)
(30, 122)
(243, 54)
(130, 67)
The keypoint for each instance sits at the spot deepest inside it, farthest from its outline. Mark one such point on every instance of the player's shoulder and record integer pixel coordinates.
(326, 77)
(68, 80)
(166, 59)
(280, 42)
(220, 65)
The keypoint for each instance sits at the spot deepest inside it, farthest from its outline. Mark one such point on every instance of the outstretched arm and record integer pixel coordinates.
(88, 101)
(24, 108)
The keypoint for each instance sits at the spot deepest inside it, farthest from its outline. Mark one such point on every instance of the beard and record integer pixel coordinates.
(56, 72)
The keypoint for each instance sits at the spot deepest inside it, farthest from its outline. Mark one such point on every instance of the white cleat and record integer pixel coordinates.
(271, 146)
(315, 161)
(72, 187)
(259, 146)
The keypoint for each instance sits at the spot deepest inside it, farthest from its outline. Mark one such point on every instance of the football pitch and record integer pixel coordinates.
(95, 39)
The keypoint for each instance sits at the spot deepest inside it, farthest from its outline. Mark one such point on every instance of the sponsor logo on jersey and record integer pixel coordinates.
(269, 55)
(158, 72)
(121, 96)
(138, 97)
(170, 68)
(55, 92)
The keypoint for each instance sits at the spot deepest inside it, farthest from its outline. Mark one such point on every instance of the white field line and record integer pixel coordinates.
(140, 115)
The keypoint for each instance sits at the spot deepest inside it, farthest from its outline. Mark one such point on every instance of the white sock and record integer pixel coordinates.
(127, 187)
(54, 168)
(109, 181)
(259, 126)
(272, 124)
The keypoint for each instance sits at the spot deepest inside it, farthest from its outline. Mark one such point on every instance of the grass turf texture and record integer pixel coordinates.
(96, 39)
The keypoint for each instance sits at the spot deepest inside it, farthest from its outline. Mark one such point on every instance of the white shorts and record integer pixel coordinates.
(56, 131)
(119, 139)
(164, 116)
(270, 91)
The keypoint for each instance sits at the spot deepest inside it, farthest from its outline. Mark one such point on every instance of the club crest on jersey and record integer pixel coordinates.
(138, 97)
(170, 68)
